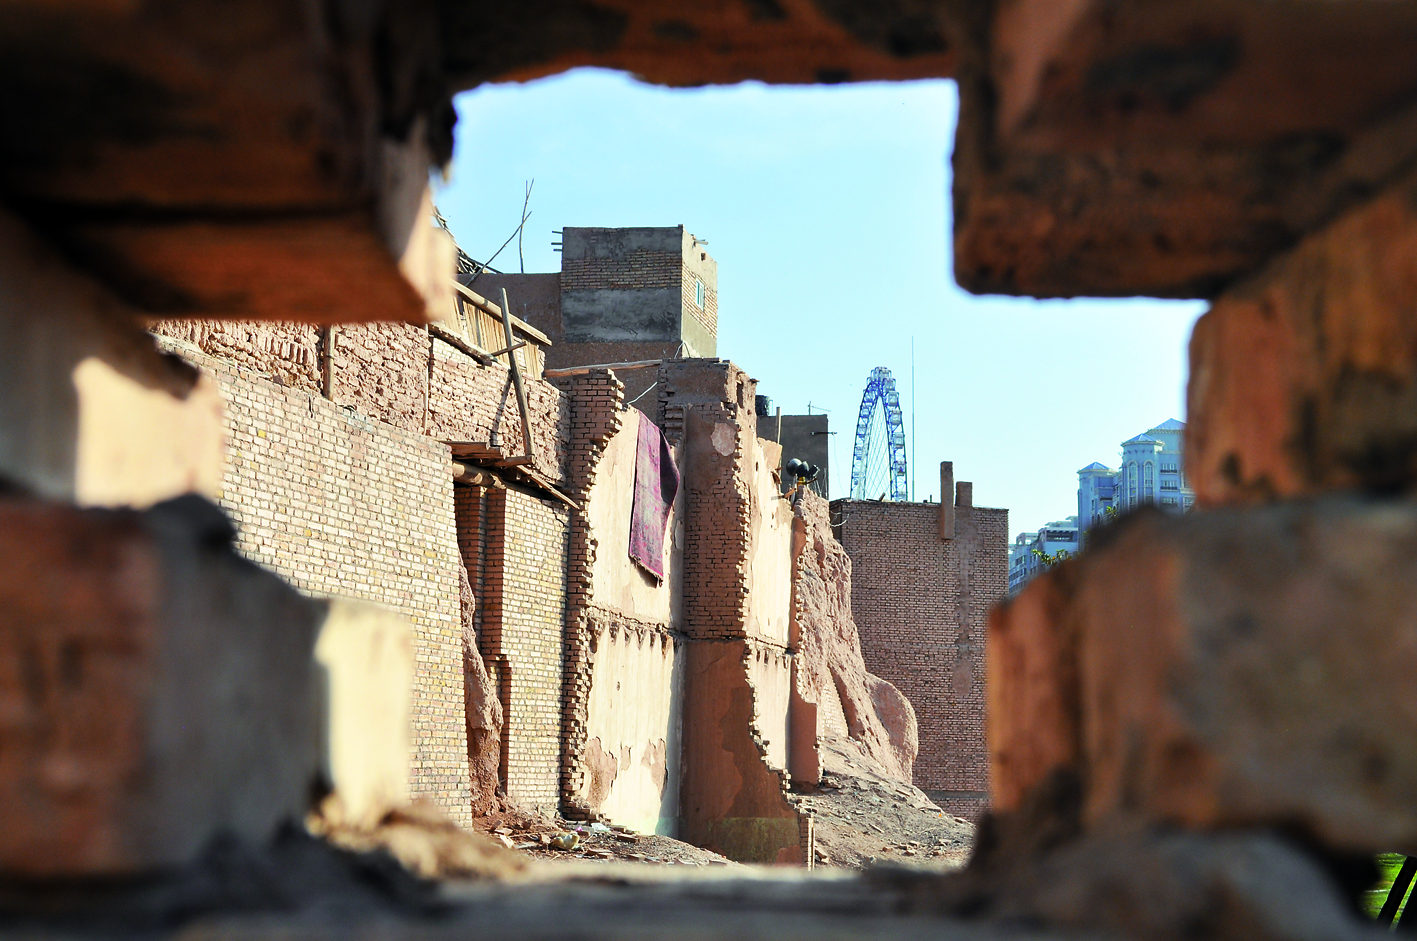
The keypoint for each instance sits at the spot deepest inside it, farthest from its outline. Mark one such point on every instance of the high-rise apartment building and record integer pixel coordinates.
(1152, 470)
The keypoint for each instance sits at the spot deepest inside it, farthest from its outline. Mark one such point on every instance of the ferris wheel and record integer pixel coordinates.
(878, 462)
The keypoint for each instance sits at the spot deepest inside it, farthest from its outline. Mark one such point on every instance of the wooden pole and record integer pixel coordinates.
(516, 375)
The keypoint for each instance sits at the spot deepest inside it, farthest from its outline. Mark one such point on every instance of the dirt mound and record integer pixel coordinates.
(865, 814)
(851, 702)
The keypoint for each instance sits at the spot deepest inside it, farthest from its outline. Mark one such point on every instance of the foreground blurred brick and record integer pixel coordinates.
(1231, 667)
(1304, 378)
(365, 664)
(155, 689)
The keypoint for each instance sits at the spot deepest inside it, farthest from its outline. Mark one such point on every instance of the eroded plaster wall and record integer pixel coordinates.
(769, 670)
(732, 799)
(625, 753)
(769, 546)
(634, 719)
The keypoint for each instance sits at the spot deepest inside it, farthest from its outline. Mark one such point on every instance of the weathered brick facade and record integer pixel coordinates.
(343, 505)
(921, 604)
(711, 404)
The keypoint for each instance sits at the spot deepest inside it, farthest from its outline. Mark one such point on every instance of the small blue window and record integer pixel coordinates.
(699, 292)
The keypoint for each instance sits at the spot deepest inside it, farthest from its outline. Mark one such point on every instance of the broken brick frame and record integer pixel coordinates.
(1254, 154)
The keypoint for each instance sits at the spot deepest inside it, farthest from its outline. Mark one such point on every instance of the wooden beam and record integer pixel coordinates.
(458, 343)
(566, 371)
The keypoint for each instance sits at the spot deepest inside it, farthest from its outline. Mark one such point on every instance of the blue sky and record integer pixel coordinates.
(828, 211)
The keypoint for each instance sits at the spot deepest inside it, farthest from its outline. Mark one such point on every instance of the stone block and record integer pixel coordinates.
(1228, 668)
(365, 658)
(1031, 689)
(1304, 377)
(90, 410)
(155, 689)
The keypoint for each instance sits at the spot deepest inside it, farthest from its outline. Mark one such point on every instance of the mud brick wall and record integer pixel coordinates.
(381, 369)
(286, 353)
(466, 400)
(921, 606)
(342, 505)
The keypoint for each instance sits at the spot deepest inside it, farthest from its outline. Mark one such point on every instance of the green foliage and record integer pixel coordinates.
(1373, 899)
(1048, 560)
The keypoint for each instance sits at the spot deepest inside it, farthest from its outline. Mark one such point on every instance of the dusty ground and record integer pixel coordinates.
(862, 816)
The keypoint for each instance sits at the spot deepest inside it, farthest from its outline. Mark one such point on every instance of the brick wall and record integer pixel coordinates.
(514, 546)
(534, 537)
(920, 604)
(708, 404)
(640, 268)
(395, 373)
(343, 505)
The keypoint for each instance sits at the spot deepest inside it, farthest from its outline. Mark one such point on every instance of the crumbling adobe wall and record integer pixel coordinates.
(737, 695)
(624, 695)
(342, 505)
(482, 704)
(920, 604)
(286, 353)
(846, 700)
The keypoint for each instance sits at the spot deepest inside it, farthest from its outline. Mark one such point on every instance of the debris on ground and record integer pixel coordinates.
(556, 839)
(865, 815)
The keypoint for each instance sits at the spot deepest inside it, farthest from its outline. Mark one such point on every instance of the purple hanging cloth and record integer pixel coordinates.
(656, 483)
